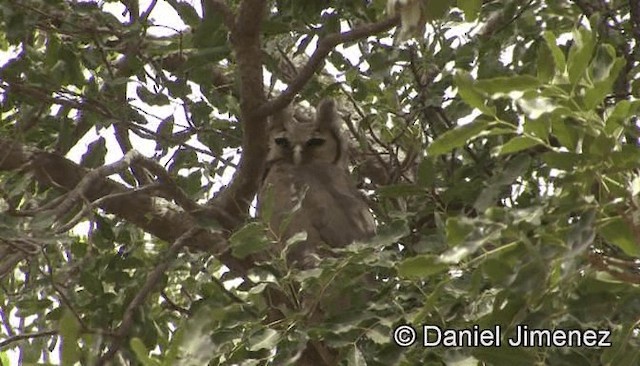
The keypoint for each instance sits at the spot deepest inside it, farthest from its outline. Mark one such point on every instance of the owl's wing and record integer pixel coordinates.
(332, 210)
(336, 208)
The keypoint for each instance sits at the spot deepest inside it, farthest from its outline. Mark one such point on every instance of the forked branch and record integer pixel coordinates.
(325, 45)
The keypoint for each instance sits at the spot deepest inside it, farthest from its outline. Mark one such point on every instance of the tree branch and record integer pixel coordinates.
(325, 45)
(22, 336)
(245, 40)
(136, 207)
(634, 10)
(133, 159)
(145, 15)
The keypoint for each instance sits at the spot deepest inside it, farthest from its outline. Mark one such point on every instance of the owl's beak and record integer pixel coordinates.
(297, 154)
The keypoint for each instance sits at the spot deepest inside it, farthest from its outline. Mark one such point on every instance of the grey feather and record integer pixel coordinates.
(307, 170)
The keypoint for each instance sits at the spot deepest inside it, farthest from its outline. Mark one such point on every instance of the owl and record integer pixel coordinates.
(309, 186)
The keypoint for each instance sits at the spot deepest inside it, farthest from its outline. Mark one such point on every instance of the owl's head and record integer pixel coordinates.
(299, 141)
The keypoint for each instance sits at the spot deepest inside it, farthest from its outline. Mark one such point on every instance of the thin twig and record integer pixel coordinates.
(6, 323)
(62, 295)
(90, 179)
(173, 306)
(19, 337)
(146, 13)
(90, 206)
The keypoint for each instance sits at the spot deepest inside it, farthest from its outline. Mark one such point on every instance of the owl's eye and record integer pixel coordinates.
(315, 142)
(283, 142)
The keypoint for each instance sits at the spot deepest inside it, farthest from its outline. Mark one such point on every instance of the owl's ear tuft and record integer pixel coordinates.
(280, 118)
(327, 114)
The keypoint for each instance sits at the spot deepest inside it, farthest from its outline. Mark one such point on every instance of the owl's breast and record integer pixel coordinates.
(326, 203)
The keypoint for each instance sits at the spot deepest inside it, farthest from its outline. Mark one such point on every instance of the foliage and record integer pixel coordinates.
(497, 141)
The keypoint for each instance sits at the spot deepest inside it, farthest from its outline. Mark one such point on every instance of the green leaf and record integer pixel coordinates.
(195, 342)
(95, 154)
(617, 232)
(437, 9)
(355, 357)
(495, 188)
(536, 106)
(379, 334)
(165, 133)
(582, 233)
(138, 347)
(426, 173)
(389, 234)
(266, 339)
(421, 266)
(457, 137)
(602, 63)
(187, 13)
(471, 244)
(471, 9)
(505, 355)
(556, 52)
(400, 190)
(69, 331)
(566, 161)
(545, 64)
(602, 146)
(52, 53)
(458, 229)
(606, 76)
(518, 143)
(248, 240)
(265, 208)
(4, 358)
(538, 128)
(497, 270)
(620, 114)
(507, 84)
(210, 32)
(295, 239)
(623, 351)
(72, 67)
(151, 98)
(580, 53)
(566, 133)
(470, 94)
